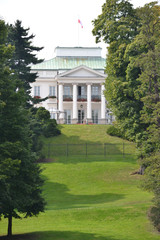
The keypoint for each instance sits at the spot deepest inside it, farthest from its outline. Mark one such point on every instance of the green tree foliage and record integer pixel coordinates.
(113, 130)
(5, 54)
(152, 184)
(21, 60)
(133, 81)
(49, 126)
(41, 125)
(143, 54)
(117, 26)
(20, 180)
(24, 55)
(148, 92)
(42, 114)
(36, 130)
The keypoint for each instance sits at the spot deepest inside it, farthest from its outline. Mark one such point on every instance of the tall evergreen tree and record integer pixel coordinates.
(24, 55)
(20, 180)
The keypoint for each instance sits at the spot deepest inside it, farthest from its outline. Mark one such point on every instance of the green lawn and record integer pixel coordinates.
(75, 139)
(89, 198)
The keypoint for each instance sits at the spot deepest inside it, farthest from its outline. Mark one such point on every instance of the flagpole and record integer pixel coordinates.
(78, 33)
(79, 23)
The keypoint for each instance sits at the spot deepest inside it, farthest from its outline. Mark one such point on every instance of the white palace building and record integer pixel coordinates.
(74, 83)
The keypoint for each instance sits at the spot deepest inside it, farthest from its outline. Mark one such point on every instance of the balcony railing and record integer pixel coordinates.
(82, 98)
(68, 98)
(96, 98)
(84, 121)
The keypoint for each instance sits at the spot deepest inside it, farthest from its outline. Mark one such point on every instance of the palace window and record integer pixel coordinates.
(52, 91)
(95, 90)
(81, 90)
(67, 90)
(37, 91)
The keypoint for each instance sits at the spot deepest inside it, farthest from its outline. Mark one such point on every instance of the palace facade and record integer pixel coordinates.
(74, 83)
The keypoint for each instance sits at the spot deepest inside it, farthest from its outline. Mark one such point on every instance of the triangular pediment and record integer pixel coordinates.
(82, 72)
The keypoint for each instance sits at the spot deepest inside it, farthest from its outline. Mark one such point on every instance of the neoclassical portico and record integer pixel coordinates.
(85, 95)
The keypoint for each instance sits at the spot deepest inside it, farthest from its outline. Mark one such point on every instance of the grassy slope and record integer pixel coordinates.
(89, 199)
(90, 134)
(83, 134)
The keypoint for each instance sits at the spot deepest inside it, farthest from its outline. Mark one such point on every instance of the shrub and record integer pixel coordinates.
(114, 131)
(154, 215)
(42, 114)
(50, 128)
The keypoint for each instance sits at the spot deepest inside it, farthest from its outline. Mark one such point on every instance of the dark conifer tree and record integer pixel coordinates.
(20, 179)
(24, 56)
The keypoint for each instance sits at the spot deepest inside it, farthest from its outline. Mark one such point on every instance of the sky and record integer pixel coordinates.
(55, 22)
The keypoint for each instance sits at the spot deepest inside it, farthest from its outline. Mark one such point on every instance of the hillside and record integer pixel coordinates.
(86, 140)
(89, 198)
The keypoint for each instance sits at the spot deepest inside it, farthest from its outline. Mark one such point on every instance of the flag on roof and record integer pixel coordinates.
(79, 21)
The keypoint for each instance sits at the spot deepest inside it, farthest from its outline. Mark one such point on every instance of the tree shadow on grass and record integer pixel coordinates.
(76, 159)
(58, 235)
(60, 198)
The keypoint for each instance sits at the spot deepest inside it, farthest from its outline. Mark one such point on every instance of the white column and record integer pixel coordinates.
(103, 102)
(89, 101)
(60, 96)
(75, 111)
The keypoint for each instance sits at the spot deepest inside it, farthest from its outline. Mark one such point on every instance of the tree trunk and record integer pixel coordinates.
(10, 226)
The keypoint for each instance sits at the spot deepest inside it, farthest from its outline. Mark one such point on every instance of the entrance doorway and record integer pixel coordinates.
(80, 116)
(95, 116)
(67, 116)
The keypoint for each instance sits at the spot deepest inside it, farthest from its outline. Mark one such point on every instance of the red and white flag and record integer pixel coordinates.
(79, 21)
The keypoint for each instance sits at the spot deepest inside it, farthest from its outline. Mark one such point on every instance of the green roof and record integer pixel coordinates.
(67, 63)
